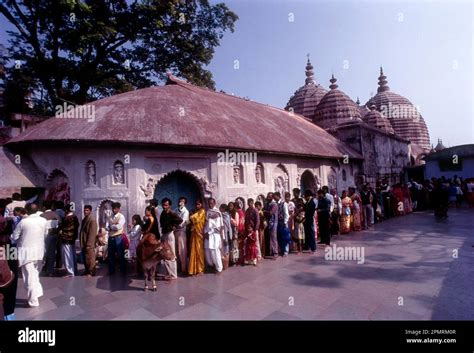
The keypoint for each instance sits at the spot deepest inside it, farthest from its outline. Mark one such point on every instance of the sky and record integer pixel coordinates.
(425, 47)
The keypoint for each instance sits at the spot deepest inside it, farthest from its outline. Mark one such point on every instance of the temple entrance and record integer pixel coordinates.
(176, 184)
(308, 182)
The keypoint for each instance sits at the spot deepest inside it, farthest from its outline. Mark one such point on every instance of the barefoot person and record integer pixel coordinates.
(212, 236)
(196, 255)
(29, 235)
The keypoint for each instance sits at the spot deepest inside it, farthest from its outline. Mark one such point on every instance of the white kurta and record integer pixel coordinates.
(212, 245)
(213, 227)
(30, 236)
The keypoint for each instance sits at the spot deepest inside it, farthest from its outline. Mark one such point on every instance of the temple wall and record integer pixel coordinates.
(383, 154)
(145, 167)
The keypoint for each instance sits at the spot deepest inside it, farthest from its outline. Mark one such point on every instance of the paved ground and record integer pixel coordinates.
(408, 260)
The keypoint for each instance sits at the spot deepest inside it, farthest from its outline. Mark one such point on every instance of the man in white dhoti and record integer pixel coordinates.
(30, 236)
(180, 234)
(212, 236)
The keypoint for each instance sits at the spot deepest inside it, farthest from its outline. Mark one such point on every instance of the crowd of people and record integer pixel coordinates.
(208, 237)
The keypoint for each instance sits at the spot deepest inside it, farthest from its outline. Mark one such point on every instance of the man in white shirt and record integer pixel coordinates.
(180, 234)
(30, 235)
(212, 236)
(16, 202)
(115, 243)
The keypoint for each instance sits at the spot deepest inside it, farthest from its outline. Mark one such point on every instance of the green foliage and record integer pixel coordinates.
(80, 51)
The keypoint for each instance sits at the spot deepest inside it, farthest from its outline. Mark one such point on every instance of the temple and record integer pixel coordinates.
(388, 131)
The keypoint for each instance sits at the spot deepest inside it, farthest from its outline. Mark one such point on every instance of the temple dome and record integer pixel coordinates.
(439, 146)
(376, 119)
(404, 117)
(335, 108)
(307, 97)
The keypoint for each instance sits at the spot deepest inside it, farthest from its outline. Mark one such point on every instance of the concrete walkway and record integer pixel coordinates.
(415, 269)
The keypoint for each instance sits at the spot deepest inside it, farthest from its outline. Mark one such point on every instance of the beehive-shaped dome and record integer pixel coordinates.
(335, 108)
(376, 119)
(307, 97)
(404, 117)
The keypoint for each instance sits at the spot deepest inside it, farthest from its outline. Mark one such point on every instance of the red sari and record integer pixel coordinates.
(251, 250)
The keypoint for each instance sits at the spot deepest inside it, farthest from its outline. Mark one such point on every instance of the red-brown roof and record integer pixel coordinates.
(185, 115)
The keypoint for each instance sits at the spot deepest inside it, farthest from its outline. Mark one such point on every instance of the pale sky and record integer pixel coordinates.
(425, 48)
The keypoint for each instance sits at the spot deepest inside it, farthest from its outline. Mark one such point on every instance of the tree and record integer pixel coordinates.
(78, 51)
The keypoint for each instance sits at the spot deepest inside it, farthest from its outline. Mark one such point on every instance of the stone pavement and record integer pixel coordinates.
(409, 273)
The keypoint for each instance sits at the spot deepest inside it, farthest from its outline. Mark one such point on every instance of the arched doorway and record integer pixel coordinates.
(176, 184)
(308, 182)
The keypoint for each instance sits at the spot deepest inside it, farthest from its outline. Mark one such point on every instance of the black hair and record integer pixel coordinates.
(89, 207)
(116, 205)
(31, 208)
(16, 196)
(166, 200)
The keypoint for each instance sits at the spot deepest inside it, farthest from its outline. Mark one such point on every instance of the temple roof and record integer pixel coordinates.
(462, 151)
(375, 118)
(335, 108)
(181, 114)
(307, 97)
(439, 146)
(404, 117)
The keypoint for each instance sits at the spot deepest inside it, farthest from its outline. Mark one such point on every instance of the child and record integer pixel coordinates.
(134, 236)
(251, 251)
(299, 227)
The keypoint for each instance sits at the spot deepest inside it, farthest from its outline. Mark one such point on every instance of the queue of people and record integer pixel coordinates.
(203, 236)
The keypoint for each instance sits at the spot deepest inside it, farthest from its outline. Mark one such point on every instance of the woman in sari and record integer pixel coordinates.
(356, 211)
(234, 223)
(196, 257)
(151, 224)
(345, 213)
(241, 230)
(251, 250)
(226, 236)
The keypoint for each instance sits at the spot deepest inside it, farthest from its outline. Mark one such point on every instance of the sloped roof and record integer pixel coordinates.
(181, 114)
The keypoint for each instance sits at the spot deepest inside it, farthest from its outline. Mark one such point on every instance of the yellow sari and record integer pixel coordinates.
(196, 257)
